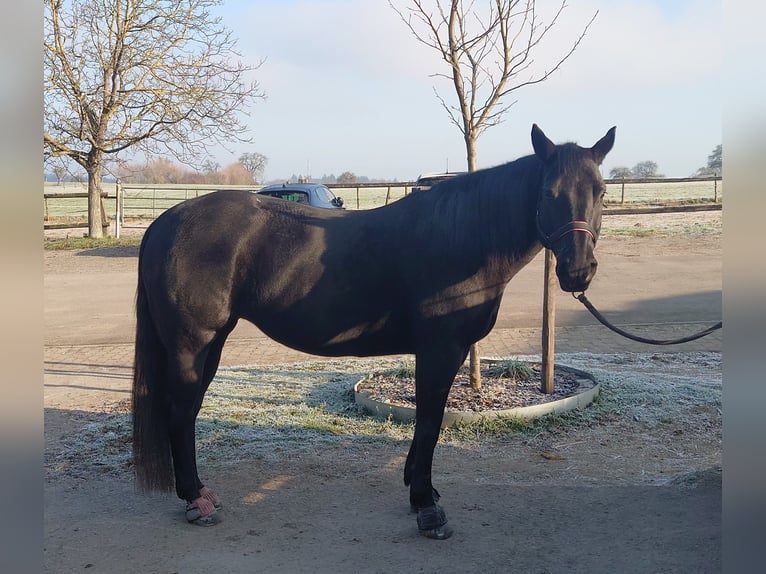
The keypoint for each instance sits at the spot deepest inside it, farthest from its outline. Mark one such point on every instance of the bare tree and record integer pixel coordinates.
(255, 163)
(59, 171)
(620, 172)
(489, 56)
(347, 177)
(153, 76)
(646, 169)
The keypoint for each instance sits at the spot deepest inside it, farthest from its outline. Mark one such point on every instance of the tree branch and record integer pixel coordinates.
(487, 57)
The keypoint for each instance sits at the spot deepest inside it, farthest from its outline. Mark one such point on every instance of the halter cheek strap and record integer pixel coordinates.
(549, 241)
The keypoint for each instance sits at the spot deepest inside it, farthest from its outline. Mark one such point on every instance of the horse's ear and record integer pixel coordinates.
(603, 146)
(544, 148)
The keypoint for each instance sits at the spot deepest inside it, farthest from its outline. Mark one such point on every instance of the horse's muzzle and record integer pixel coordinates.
(575, 276)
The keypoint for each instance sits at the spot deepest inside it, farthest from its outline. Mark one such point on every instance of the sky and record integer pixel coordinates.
(348, 88)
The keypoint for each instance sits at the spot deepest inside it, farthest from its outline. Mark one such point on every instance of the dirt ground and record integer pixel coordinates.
(631, 486)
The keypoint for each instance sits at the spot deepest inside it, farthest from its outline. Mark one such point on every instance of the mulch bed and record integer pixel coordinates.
(496, 393)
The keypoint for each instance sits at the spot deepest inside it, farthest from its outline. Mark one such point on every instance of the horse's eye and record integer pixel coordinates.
(600, 192)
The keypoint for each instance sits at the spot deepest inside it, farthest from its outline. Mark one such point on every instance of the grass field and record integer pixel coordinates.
(149, 202)
(665, 192)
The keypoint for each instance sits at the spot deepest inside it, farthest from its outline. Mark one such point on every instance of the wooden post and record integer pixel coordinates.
(104, 220)
(475, 364)
(549, 322)
(388, 194)
(622, 193)
(715, 189)
(117, 211)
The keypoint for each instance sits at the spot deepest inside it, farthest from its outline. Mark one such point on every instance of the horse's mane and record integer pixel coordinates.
(480, 209)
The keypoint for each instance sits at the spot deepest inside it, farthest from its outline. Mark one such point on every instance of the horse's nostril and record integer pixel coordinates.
(575, 277)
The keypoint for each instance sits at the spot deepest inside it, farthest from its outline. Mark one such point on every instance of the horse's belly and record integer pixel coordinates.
(337, 337)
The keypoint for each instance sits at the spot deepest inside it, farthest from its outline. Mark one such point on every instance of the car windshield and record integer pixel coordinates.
(324, 193)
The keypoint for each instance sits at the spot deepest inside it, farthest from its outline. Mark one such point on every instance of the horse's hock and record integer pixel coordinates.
(581, 392)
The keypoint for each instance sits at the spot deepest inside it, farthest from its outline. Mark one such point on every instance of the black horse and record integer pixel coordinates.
(424, 275)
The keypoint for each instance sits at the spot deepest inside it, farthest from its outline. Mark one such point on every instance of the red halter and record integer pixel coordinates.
(571, 227)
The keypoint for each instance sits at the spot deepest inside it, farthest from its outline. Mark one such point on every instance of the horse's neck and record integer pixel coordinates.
(487, 223)
(511, 232)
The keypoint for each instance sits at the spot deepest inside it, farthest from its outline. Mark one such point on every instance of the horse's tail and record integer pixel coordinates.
(151, 440)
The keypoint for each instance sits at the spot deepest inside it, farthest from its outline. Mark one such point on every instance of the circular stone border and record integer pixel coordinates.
(585, 395)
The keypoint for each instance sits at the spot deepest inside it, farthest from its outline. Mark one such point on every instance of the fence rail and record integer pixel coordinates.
(134, 203)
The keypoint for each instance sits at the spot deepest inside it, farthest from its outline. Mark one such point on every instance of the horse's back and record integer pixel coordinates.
(194, 256)
(225, 227)
(317, 280)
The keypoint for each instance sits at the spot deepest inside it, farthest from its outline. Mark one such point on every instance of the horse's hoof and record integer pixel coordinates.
(194, 516)
(432, 523)
(441, 533)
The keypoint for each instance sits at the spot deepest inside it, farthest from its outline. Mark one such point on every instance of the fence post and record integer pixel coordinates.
(388, 194)
(549, 323)
(715, 188)
(102, 208)
(117, 210)
(622, 193)
(357, 197)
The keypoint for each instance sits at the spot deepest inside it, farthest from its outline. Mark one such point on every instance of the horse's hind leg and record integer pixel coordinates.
(434, 374)
(190, 371)
(211, 367)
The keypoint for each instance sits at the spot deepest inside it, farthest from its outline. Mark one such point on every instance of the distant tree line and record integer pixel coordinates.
(346, 177)
(163, 170)
(643, 169)
(246, 171)
(647, 169)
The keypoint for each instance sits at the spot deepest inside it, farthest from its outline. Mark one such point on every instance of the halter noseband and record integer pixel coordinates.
(549, 241)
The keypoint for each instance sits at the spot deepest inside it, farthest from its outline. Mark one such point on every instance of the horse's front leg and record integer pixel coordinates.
(434, 374)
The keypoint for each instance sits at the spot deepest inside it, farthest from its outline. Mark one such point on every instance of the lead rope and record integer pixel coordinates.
(584, 300)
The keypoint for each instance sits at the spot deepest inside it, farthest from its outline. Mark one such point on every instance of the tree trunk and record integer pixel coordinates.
(474, 359)
(97, 223)
(474, 367)
(470, 151)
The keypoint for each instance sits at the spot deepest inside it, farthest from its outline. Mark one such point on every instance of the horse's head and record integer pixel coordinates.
(569, 205)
